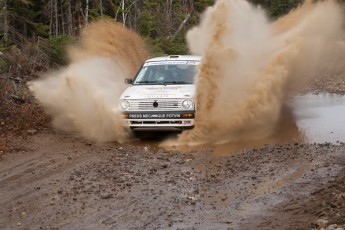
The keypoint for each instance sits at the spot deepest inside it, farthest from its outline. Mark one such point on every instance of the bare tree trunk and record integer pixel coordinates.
(63, 24)
(6, 27)
(123, 12)
(169, 10)
(79, 14)
(51, 19)
(125, 15)
(56, 18)
(101, 7)
(70, 19)
(87, 12)
(116, 14)
(191, 5)
(25, 29)
(136, 15)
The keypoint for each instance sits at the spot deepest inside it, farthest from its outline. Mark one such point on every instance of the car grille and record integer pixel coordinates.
(155, 122)
(148, 105)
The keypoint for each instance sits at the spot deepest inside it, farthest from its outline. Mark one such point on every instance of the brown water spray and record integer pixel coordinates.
(250, 65)
(83, 97)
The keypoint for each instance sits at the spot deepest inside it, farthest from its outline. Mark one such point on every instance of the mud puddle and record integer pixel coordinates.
(319, 117)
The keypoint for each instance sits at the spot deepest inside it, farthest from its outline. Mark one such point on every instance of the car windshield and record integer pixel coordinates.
(167, 73)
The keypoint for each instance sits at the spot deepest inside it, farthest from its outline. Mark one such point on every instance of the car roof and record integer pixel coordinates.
(176, 58)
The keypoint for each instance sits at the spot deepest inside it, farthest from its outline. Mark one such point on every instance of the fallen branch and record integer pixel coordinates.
(12, 78)
(181, 26)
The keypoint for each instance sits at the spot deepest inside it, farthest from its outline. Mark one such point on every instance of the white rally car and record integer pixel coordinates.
(161, 96)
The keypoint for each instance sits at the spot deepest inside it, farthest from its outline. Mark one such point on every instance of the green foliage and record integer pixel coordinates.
(23, 20)
(55, 48)
(93, 14)
(26, 2)
(176, 46)
(200, 5)
(151, 4)
(148, 24)
(167, 46)
(277, 8)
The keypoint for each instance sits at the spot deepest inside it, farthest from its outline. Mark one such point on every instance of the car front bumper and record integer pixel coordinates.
(162, 120)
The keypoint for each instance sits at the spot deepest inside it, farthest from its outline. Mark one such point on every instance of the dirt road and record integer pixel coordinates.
(55, 181)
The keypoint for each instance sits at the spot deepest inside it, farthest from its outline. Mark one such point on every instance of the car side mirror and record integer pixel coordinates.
(128, 81)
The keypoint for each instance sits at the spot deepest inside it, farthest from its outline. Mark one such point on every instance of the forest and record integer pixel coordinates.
(50, 25)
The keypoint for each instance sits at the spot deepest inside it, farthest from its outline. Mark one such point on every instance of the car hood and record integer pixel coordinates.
(158, 91)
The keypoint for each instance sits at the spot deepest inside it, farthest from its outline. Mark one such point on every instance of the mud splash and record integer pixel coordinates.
(250, 65)
(82, 98)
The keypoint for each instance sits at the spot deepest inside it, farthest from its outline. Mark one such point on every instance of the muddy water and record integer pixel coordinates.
(321, 118)
(306, 119)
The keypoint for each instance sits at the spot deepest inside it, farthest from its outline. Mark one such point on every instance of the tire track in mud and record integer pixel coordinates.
(26, 175)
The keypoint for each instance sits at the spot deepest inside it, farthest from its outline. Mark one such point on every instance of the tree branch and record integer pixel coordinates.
(181, 26)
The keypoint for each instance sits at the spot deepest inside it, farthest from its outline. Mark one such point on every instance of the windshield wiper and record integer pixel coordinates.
(145, 82)
(175, 82)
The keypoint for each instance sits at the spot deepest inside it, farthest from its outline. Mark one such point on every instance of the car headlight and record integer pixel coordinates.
(188, 104)
(125, 105)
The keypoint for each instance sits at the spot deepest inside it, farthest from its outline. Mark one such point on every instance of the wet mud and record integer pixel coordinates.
(55, 181)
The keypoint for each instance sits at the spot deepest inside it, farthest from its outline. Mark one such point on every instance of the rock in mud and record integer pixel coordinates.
(32, 132)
